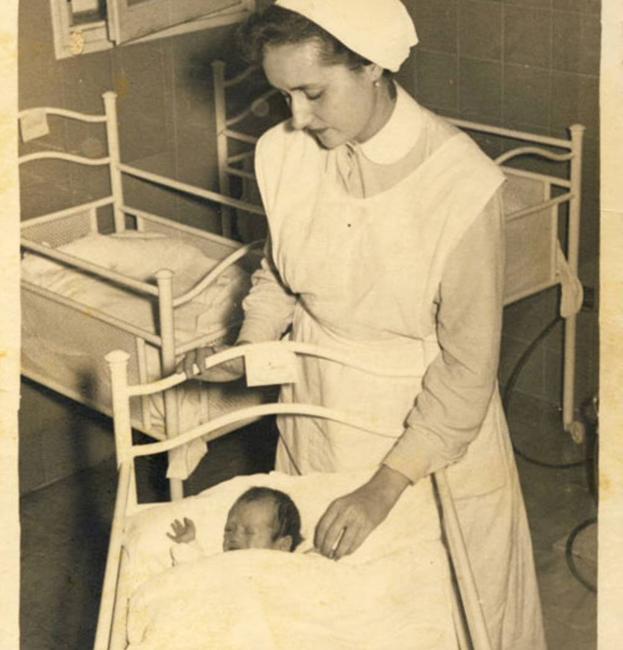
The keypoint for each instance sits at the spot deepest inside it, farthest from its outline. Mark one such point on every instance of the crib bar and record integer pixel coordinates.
(112, 130)
(222, 266)
(118, 365)
(167, 334)
(522, 151)
(220, 112)
(241, 137)
(191, 189)
(563, 198)
(252, 413)
(239, 157)
(238, 79)
(568, 394)
(250, 111)
(511, 133)
(111, 577)
(45, 218)
(100, 271)
(239, 172)
(69, 157)
(143, 216)
(553, 180)
(465, 578)
(141, 359)
(62, 112)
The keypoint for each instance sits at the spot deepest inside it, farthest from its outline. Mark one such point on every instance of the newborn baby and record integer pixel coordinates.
(260, 518)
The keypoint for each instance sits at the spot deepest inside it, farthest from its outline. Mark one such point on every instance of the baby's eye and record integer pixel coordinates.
(314, 96)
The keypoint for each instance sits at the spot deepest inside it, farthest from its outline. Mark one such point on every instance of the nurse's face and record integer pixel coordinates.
(332, 102)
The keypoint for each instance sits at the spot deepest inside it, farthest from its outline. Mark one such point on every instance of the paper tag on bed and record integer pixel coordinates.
(33, 124)
(269, 364)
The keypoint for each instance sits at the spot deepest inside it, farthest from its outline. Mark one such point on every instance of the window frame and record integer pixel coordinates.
(73, 40)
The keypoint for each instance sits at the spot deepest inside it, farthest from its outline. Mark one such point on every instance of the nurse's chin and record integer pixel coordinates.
(328, 138)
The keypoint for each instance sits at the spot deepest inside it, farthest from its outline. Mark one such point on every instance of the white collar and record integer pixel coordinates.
(400, 133)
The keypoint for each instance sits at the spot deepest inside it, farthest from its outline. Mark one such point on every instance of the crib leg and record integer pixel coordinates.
(176, 489)
(574, 427)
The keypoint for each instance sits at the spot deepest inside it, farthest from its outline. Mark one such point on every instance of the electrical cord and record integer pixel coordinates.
(569, 554)
(510, 385)
(573, 535)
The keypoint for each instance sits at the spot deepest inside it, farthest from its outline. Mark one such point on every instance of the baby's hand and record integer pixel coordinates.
(182, 532)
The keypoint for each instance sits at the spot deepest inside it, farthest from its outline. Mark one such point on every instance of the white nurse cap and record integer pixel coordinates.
(379, 30)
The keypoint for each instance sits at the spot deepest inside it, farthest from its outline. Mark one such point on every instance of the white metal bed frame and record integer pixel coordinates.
(77, 221)
(558, 150)
(467, 612)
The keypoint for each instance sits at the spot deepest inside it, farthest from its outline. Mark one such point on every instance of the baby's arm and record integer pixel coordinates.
(183, 532)
(186, 547)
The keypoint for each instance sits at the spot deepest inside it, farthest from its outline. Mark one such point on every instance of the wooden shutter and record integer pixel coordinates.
(130, 19)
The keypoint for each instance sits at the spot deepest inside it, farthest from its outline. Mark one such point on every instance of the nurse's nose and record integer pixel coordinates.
(301, 112)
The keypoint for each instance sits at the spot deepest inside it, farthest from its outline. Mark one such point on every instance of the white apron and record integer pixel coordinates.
(366, 272)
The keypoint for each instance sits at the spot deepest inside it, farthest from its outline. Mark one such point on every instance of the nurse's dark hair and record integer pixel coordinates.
(278, 26)
(287, 517)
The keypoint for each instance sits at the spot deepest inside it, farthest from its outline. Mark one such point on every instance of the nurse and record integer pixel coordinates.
(386, 243)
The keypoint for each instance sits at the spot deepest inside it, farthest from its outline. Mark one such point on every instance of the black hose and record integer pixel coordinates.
(569, 554)
(510, 384)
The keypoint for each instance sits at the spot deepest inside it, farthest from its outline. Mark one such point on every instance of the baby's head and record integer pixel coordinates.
(263, 518)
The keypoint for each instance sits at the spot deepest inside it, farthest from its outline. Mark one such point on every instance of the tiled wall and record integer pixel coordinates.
(531, 65)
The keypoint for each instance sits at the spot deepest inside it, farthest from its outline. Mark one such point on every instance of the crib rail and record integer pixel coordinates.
(216, 197)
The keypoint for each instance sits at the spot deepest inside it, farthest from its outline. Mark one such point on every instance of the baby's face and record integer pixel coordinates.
(250, 525)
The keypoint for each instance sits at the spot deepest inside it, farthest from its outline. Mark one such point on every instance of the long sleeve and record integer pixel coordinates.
(458, 385)
(184, 553)
(269, 306)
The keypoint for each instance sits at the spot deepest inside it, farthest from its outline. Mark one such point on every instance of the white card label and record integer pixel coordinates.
(34, 124)
(268, 364)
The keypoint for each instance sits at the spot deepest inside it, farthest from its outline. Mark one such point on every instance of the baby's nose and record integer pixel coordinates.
(231, 543)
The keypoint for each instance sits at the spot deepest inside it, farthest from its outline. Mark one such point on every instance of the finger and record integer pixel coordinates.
(323, 525)
(201, 355)
(349, 542)
(189, 361)
(332, 536)
(173, 537)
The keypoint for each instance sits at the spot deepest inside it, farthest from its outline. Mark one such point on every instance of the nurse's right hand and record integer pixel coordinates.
(194, 363)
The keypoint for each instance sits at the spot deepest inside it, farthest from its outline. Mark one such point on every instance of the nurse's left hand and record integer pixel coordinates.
(350, 519)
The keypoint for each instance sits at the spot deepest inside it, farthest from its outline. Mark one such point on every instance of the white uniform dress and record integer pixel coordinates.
(392, 251)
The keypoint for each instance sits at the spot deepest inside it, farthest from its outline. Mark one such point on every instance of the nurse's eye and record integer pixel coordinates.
(287, 98)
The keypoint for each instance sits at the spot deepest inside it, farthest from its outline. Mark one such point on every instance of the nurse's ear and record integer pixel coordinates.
(374, 73)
